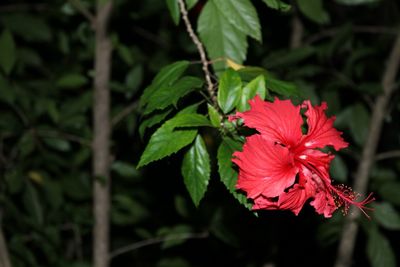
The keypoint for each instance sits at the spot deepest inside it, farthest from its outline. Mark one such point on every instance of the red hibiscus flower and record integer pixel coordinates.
(281, 168)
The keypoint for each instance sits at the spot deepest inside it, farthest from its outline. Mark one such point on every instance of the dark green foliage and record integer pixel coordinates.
(196, 170)
(46, 100)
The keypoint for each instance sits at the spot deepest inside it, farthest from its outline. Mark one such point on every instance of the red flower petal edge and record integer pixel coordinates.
(281, 168)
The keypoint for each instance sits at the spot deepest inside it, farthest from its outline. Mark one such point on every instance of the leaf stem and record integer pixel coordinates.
(124, 113)
(156, 240)
(83, 10)
(202, 52)
(387, 155)
(4, 254)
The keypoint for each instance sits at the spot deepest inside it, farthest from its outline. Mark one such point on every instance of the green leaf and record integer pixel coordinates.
(166, 141)
(285, 58)
(153, 120)
(338, 169)
(278, 5)
(358, 122)
(18, 243)
(253, 88)
(127, 211)
(52, 111)
(390, 192)
(182, 206)
(125, 53)
(75, 264)
(386, 215)
(170, 234)
(76, 188)
(7, 51)
(53, 193)
(189, 120)
(379, 251)
(133, 80)
(357, 2)
(242, 15)
(229, 90)
(328, 233)
(249, 73)
(314, 10)
(215, 117)
(26, 144)
(166, 77)
(281, 87)
(191, 3)
(220, 37)
(27, 26)
(33, 204)
(72, 80)
(169, 95)
(173, 7)
(196, 170)
(14, 180)
(124, 169)
(371, 88)
(7, 93)
(63, 43)
(221, 230)
(383, 175)
(225, 168)
(57, 143)
(189, 109)
(172, 262)
(81, 156)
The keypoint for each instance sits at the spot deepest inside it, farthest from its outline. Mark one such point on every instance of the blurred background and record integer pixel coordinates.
(333, 51)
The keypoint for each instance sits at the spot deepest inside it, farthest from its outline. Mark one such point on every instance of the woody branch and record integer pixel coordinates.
(101, 133)
(350, 229)
(4, 255)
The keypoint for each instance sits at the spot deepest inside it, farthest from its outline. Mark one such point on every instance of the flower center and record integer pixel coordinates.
(343, 196)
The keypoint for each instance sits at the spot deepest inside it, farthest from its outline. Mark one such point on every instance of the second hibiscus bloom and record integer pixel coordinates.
(281, 167)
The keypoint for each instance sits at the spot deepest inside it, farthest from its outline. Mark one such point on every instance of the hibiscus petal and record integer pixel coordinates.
(278, 121)
(264, 203)
(297, 196)
(324, 203)
(264, 167)
(320, 128)
(317, 160)
(293, 200)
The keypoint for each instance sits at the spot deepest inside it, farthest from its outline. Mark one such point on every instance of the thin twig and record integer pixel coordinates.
(350, 229)
(297, 33)
(83, 10)
(356, 29)
(66, 136)
(156, 240)
(77, 239)
(4, 255)
(202, 52)
(374, 29)
(3, 159)
(22, 7)
(388, 155)
(125, 112)
(148, 35)
(24, 118)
